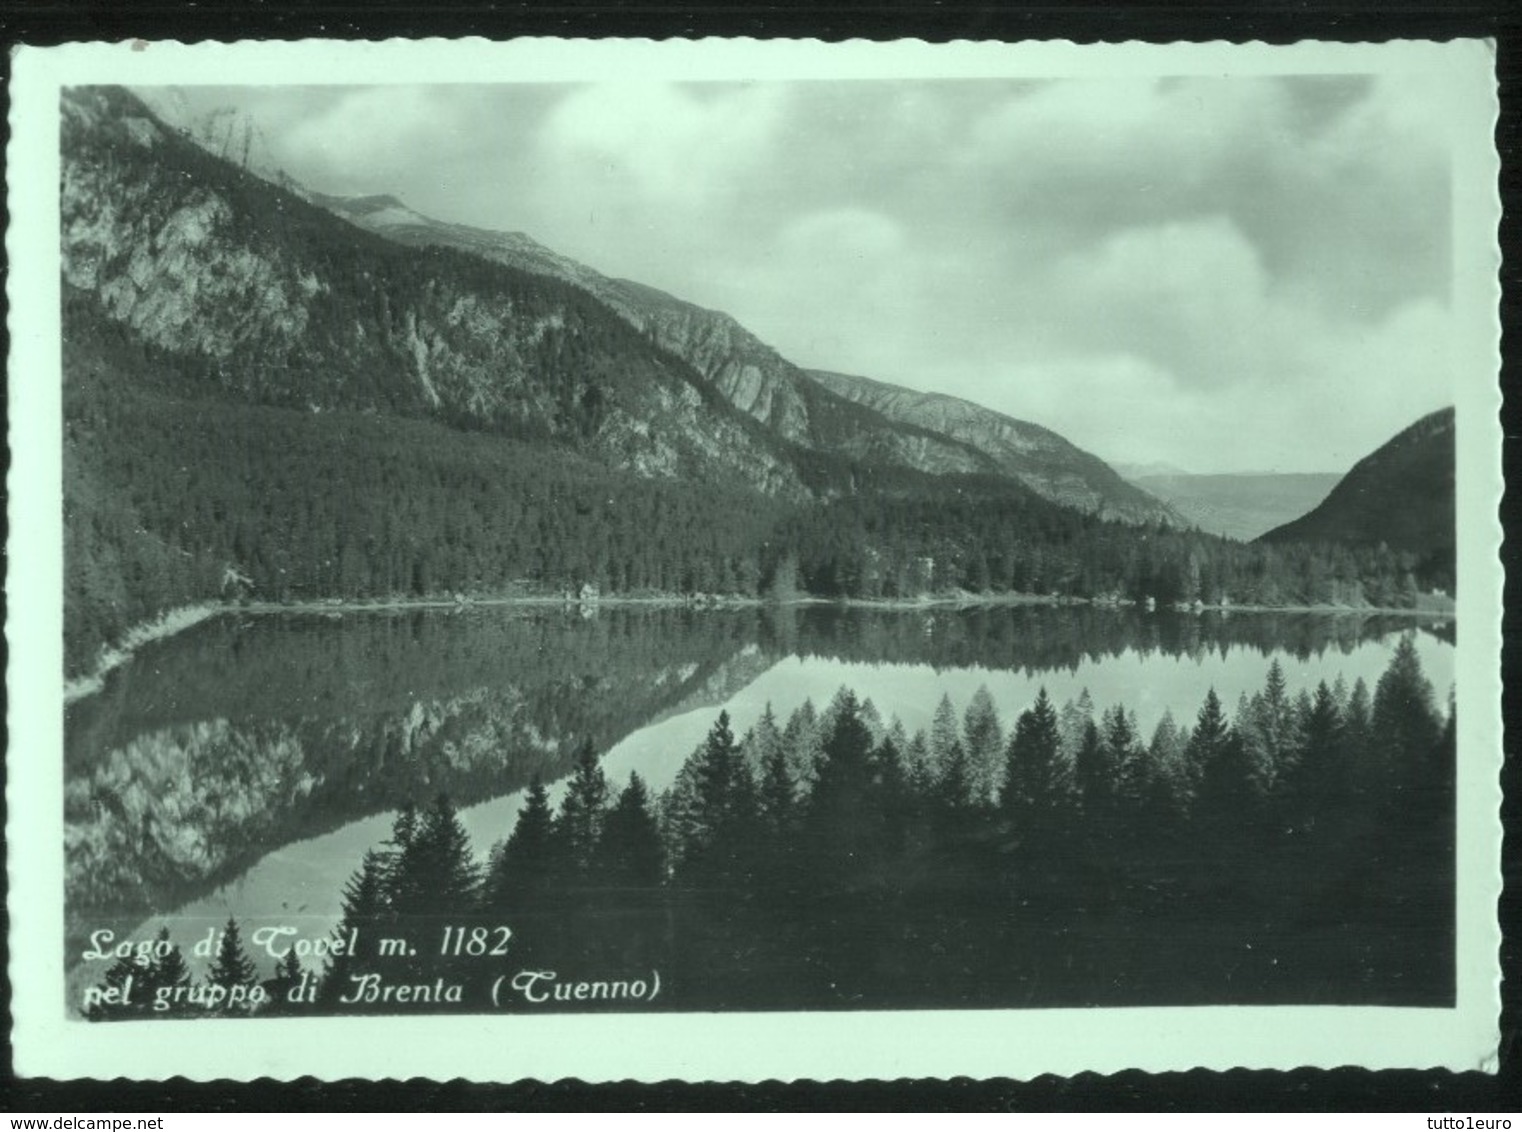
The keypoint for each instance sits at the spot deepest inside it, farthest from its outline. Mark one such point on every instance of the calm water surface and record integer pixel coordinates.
(244, 767)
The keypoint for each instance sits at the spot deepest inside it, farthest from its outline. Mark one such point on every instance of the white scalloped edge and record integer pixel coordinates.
(733, 1047)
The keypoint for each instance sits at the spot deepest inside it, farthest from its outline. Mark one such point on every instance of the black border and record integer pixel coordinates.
(1279, 21)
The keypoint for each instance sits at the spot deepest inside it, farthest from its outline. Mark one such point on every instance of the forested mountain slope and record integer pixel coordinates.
(264, 401)
(1401, 495)
(802, 407)
(819, 410)
(741, 368)
(172, 498)
(1036, 456)
(289, 306)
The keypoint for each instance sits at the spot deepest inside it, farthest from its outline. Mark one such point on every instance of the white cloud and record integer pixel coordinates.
(667, 143)
(857, 234)
(1191, 295)
(1104, 146)
(1217, 272)
(373, 129)
(833, 283)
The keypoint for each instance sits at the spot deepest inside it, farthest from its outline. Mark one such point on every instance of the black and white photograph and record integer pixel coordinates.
(983, 544)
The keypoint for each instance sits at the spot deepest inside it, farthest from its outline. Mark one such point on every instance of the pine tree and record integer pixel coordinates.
(1124, 768)
(1169, 789)
(127, 978)
(872, 720)
(629, 854)
(983, 735)
(436, 873)
(1073, 724)
(288, 977)
(761, 741)
(232, 971)
(366, 901)
(891, 789)
(289, 970)
(952, 789)
(677, 811)
(1319, 782)
(1089, 772)
(918, 771)
(1252, 743)
(365, 894)
(1210, 737)
(1266, 729)
(721, 822)
(1229, 796)
(1277, 719)
(1340, 695)
(1406, 728)
(404, 830)
(524, 872)
(777, 794)
(946, 737)
(801, 740)
(843, 817)
(582, 813)
(1037, 788)
(1364, 767)
(169, 973)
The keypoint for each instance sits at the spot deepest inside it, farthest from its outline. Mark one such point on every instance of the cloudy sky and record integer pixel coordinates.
(1222, 274)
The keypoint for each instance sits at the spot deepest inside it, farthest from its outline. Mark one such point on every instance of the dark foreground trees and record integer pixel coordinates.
(1298, 850)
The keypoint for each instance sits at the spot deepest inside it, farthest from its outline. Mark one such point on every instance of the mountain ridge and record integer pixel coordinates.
(1041, 458)
(265, 401)
(745, 371)
(760, 382)
(293, 311)
(748, 373)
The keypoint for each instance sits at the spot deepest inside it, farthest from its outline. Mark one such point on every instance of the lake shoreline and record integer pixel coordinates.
(168, 624)
(177, 620)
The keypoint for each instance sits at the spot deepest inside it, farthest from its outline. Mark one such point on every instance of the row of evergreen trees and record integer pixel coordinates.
(837, 816)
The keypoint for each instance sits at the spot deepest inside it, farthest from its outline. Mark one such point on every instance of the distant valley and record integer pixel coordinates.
(1400, 496)
(1237, 505)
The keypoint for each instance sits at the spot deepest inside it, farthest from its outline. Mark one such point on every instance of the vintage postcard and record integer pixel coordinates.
(737, 560)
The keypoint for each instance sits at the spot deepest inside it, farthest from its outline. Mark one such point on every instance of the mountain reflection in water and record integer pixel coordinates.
(245, 766)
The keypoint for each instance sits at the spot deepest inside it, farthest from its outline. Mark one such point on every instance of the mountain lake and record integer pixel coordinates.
(245, 766)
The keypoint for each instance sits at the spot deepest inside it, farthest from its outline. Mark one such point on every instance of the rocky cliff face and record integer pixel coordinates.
(865, 420)
(292, 307)
(1037, 457)
(746, 372)
(181, 779)
(869, 422)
